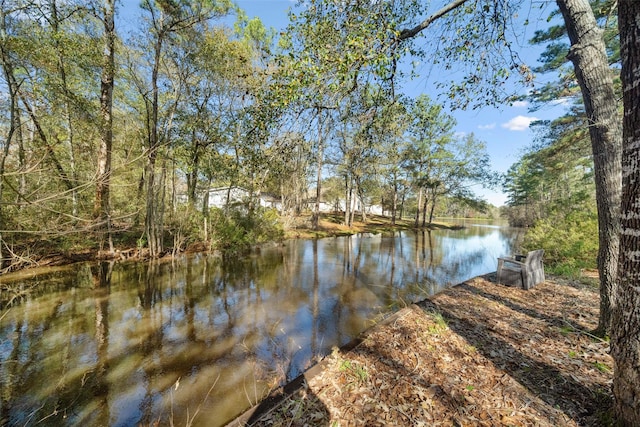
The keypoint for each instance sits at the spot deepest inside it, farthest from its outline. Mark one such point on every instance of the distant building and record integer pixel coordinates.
(271, 201)
(340, 206)
(223, 196)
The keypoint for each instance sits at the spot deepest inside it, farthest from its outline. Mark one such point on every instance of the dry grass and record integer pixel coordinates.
(333, 225)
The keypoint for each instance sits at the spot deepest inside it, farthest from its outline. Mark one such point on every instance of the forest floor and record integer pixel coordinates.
(476, 354)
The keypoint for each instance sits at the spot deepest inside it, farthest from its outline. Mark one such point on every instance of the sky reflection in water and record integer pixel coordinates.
(136, 343)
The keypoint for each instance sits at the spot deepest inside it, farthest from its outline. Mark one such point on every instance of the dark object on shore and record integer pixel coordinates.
(523, 271)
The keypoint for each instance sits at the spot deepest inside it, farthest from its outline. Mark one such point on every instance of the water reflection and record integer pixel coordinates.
(136, 343)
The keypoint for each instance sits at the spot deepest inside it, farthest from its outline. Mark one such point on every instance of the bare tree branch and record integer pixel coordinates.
(412, 32)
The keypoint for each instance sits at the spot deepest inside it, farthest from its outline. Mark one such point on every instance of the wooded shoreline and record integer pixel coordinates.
(45, 253)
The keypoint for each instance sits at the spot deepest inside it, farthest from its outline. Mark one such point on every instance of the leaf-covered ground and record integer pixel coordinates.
(478, 354)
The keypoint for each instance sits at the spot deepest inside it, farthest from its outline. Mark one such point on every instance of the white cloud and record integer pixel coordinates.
(519, 123)
(487, 127)
(520, 104)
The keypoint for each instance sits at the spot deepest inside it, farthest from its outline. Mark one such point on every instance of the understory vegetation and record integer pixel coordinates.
(551, 188)
(115, 135)
(570, 242)
(120, 137)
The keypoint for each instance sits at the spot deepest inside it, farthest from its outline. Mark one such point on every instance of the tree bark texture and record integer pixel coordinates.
(102, 207)
(625, 342)
(589, 59)
(153, 225)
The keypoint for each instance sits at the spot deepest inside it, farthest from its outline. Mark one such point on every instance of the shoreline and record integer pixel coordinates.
(329, 227)
(478, 353)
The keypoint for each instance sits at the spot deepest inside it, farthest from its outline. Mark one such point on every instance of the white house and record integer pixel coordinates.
(223, 196)
(355, 205)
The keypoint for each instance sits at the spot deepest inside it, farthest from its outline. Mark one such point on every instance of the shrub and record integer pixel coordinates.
(236, 229)
(570, 242)
(185, 227)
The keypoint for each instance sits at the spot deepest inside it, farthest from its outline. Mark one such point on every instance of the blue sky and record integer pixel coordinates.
(505, 130)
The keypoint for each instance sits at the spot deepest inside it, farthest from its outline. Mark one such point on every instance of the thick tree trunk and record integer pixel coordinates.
(625, 327)
(589, 58)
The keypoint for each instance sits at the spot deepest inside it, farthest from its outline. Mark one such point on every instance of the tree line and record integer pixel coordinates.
(108, 123)
(100, 132)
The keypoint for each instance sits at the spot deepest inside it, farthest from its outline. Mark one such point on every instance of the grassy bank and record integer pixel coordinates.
(333, 225)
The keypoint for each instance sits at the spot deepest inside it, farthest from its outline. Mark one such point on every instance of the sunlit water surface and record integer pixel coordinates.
(200, 339)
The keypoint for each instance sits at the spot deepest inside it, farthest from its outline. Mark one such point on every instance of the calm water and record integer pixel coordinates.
(200, 339)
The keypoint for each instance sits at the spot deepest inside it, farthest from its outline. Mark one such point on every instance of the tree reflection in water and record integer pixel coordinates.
(140, 343)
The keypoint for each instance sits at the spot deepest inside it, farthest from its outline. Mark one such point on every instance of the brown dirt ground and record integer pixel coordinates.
(477, 354)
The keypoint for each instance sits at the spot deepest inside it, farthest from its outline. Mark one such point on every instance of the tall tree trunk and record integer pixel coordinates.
(194, 170)
(152, 223)
(625, 327)
(354, 200)
(394, 206)
(68, 107)
(425, 203)
(589, 59)
(102, 209)
(22, 159)
(316, 214)
(433, 207)
(205, 198)
(347, 201)
(363, 206)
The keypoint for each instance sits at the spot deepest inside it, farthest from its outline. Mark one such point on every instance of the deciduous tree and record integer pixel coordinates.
(166, 20)
(430, 134)
(102, 208)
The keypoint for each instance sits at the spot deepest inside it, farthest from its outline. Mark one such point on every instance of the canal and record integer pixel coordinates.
(198, 340)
